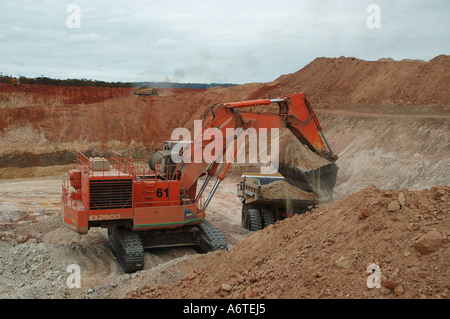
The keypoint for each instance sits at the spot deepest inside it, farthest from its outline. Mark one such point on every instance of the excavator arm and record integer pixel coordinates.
(294, 113)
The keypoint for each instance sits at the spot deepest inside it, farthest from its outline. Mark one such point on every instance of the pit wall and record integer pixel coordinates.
(389, 151)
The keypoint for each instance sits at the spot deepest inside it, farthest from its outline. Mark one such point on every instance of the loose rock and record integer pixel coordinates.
(399, 290)
(429, 242)
(401, 200)
(226, 287)
(393, 206)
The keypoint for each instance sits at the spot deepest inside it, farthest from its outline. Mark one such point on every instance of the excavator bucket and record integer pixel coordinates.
(307, 170)
(320, 180)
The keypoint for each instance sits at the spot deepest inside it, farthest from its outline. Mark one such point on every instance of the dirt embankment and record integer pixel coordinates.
(330, 253)
(81, 118)
(351, 81)
(391, 147)
(47, 117)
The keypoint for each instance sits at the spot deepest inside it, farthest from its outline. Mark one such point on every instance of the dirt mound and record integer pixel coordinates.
(350, 81)
(331, 252)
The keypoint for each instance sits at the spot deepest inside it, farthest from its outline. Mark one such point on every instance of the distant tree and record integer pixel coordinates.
(43, 80)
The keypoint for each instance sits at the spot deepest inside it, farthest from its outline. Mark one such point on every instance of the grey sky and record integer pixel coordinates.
(210, 41)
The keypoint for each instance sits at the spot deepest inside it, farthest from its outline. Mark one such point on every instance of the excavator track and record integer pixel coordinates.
(128, 248)
(211, 238)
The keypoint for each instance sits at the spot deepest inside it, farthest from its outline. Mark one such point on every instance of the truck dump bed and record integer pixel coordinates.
(273, 190)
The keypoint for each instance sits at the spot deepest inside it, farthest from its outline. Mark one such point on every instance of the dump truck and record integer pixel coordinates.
(163, 205)
(146, 91)
(267, 198)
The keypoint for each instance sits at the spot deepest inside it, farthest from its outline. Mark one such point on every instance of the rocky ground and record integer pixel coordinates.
(37, 249)
(331, 252)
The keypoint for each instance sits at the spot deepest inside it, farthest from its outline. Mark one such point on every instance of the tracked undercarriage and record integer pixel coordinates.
(129, 246)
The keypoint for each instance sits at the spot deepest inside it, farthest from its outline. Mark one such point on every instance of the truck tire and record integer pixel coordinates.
(244, 216)
(254, 220)
(268, 217)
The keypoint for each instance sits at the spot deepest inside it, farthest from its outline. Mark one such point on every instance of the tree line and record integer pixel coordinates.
(85, 82)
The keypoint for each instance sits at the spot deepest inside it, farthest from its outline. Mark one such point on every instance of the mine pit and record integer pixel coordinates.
(390, 208)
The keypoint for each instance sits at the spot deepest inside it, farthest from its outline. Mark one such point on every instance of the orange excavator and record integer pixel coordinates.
(163, 205)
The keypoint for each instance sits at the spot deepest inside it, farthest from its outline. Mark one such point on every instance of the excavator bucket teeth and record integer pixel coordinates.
(320, 180)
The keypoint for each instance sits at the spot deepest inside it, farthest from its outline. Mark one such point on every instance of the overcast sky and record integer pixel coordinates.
(210, 41)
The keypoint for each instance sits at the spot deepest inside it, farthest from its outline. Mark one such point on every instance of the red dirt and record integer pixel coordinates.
(46, 95)
(91, 115)
(339, 81)
(88, 115)
(326, 253)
